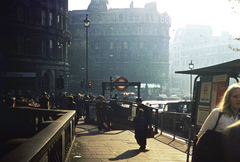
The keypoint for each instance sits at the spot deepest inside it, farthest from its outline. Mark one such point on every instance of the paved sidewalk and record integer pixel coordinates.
(90, 145)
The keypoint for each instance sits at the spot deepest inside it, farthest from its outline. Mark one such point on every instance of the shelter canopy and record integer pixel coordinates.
(232, 68)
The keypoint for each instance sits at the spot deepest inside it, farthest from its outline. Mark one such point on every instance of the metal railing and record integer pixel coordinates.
(123, 112)
(172, 116)
(45, 140)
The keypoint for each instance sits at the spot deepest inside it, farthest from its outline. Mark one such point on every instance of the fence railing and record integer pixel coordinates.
(123, 112)
(33, 134)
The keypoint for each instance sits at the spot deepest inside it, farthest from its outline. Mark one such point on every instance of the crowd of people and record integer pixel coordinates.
(50, 101)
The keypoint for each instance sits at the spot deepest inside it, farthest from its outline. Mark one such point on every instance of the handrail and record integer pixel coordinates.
(50, 144)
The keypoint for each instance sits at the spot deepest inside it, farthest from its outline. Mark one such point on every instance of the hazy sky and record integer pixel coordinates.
(216, 13)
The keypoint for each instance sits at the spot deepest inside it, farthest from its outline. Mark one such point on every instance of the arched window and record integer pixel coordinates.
(20, 12)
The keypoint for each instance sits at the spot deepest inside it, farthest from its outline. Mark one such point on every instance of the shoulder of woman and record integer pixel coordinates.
(216, 110)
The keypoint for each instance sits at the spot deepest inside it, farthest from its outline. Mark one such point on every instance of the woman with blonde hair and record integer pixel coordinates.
(211, 148)
(229, 107)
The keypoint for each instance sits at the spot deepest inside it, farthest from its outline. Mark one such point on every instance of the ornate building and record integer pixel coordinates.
(130, 42)
(34, 45)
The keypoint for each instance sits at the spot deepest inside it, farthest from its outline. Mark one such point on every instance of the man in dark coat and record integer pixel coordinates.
(139, 129)
(44, 101)
(101, 107)
(146, 115)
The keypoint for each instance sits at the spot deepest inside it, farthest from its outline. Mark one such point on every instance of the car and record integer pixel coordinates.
(173, 97)
(176, 109)
(187, 97)
(162, 97)
(128, 96)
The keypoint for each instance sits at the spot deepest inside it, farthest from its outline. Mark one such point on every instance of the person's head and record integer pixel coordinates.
(140, 112)
(138, 100)
(44, 94)
(101, 97)
(231, 99)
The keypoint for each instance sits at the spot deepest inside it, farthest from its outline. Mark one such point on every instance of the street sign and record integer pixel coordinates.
(121, 84)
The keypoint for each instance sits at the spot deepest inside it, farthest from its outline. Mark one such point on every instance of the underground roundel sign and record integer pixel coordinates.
(121, 83)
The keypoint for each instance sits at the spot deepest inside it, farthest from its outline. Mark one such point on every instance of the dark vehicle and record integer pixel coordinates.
(177, 110)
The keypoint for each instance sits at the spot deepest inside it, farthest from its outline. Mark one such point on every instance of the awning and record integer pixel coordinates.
(232, 68)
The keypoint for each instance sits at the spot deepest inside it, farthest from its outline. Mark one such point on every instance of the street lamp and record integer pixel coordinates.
(87, 25)
(191, 66)
(60, 46)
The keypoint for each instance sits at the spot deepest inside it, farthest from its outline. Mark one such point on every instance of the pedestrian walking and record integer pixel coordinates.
(80, 105)
(72, 106)
(101, 112)
(64, 102)
(226, 114)
(146, 115)
(52, 100)
(44, 101)
(86, 105)
(139, 129)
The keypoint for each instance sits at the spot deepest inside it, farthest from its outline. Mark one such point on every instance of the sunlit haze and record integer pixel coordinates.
(217, 13)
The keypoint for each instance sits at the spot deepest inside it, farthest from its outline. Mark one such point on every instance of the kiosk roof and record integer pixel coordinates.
(232, 68)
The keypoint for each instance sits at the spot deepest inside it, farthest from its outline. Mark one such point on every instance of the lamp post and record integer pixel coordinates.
(191, 66)
(87, 25)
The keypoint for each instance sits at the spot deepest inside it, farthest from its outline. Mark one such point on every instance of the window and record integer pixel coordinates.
(111, 45)
(61, 22)
(130, 17)
(147, 17)
(50, 19)
(20, 44)
(50, 48)
(96, 46)
(125, 45)
(44, 47)
(38, 46)
(20, 13)
(111, 30)
(136, 18)
(139, 30)
(28, 43)
(121, 17)
(43, 18)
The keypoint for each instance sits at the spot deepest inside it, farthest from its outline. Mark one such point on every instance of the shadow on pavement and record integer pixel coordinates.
(128, 154)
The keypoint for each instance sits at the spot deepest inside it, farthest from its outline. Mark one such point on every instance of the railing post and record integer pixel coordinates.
(151, 112)
(161, 122)
(156, 122)
(174, 126)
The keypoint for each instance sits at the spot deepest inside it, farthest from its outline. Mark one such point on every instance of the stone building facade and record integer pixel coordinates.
(197, 43)
(129, 42)
(34, 45)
